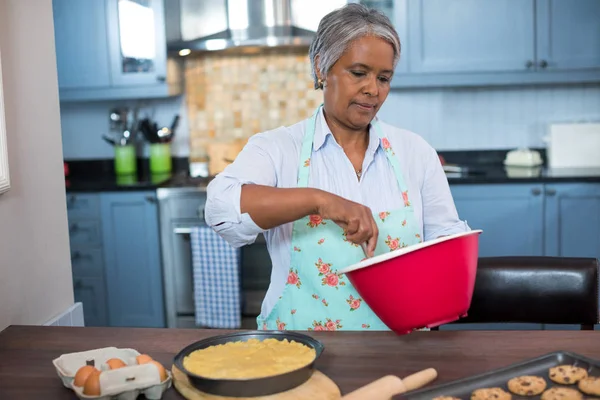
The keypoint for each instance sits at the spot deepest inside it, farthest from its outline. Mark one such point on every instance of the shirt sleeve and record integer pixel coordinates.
(440, 217)
(255, 164)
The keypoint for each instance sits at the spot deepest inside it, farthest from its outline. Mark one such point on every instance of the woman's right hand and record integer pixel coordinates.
(356, 220)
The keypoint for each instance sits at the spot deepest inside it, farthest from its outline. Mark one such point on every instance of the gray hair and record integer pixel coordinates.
(338, 29)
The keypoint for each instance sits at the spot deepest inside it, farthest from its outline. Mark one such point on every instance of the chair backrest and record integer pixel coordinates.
(544, 290)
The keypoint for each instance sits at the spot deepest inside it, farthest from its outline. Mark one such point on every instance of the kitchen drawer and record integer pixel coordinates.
(87, 262)
(83, 205)
(85, 232)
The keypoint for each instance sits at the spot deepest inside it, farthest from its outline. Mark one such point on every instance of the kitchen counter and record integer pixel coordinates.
(99, 176)
(483, 167)
(493, 174)
(351, 359)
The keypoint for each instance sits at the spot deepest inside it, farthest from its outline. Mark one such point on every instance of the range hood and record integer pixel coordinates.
(209, 25)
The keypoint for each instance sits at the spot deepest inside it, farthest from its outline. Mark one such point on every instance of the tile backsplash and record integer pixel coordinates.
(235, 96)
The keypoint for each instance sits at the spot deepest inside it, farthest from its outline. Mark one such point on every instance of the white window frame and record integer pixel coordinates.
(4, 176)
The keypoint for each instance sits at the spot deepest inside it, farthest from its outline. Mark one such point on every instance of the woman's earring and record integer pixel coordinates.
(320, 83)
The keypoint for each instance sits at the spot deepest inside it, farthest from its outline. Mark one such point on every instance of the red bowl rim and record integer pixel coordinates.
(405, 250)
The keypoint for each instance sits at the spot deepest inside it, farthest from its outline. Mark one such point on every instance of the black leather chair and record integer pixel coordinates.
(542, 290)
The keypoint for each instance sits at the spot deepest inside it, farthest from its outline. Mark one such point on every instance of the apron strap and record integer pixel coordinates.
(384, 142)
(306, 152)
(307, 145)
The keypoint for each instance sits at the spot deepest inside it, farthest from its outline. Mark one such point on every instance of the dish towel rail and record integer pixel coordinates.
(217, 288)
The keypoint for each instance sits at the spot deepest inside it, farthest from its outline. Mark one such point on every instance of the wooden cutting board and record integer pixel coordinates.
(318, 386)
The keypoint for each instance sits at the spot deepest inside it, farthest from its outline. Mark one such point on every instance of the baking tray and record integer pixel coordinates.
(251, 387)
(539, 366)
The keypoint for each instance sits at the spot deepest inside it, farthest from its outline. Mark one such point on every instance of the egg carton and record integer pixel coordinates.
(125, 383)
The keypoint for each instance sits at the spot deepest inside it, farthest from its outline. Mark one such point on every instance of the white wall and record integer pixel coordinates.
(35, 267)
(84, 123)
(490, 117)
(449, 119)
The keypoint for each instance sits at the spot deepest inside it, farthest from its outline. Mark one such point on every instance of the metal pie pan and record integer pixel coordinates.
(252, 387)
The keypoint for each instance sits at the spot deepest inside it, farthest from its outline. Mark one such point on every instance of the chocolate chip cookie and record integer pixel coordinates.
(494, 393)
(590, 385)
(567, 374)
(561, 393)
(527, 385)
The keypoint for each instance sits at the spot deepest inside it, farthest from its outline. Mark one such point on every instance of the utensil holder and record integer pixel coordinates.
(160, 157)
(125, 160)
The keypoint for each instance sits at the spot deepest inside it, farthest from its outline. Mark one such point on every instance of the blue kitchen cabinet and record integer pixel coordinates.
(91, 293)
(568, 34)
(470, 35)
(450, 43)
(510, 215)
(572, 224)
(572, 220)
(113, 49)
(137, 43)
(87, 261)
(396, 11)
(132, 259)
(81, 44)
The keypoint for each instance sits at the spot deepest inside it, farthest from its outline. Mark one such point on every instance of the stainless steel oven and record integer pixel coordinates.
(180, 209)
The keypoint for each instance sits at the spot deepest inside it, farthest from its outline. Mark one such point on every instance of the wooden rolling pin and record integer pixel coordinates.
(388, 386)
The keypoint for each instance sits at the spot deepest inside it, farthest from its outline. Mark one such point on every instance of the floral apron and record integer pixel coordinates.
(316, 297)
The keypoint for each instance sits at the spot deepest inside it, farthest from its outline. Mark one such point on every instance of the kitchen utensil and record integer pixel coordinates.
(166, 134)
(321, 387)
(573, 145)
(498, 378)
(523, 172)
(125, 160)
(160, 158)
(250, 387)
(523, 158)
(318, 386)
(424, 285)
(123, 125)
(108, 140)
(147, 128)
(388, 386)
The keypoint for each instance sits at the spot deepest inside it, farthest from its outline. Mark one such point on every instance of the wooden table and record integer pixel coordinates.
(351, 359)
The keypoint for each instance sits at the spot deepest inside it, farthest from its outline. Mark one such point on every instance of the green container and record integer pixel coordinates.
(125, 160)
(127, 180)
(160, 158)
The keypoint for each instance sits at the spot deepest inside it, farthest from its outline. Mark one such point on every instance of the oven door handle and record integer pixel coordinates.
(182, 231)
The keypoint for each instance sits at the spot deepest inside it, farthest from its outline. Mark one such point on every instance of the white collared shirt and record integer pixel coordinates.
(272, 158)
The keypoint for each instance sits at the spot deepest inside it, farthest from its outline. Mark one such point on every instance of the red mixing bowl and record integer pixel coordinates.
(420, 286)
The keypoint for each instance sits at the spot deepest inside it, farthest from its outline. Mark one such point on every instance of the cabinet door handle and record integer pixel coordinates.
(76, 256)
(550, 192)
(529, 64)
(78, 285)
(536, 191)
(150, 199)
(543, 64)
(73, 228)
(161, 78)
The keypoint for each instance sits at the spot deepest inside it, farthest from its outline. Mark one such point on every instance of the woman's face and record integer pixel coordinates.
(359, 82)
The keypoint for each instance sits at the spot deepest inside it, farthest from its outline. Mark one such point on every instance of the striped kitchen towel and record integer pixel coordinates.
(216, 280)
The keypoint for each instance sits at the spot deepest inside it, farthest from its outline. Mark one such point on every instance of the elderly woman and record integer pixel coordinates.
(331, 188)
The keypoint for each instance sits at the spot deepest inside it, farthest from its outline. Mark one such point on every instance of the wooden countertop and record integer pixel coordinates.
(351, 359)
